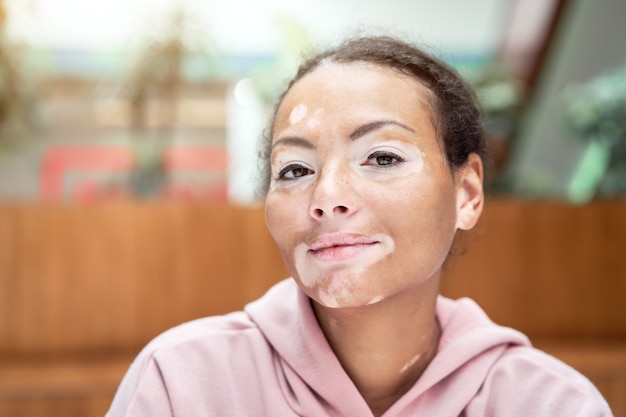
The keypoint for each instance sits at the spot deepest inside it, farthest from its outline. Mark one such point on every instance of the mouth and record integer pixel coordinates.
(339, 247)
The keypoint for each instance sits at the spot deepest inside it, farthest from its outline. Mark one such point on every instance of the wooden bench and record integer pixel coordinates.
(82, 289)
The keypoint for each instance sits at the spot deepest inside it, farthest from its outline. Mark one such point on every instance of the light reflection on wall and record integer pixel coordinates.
(249, 26)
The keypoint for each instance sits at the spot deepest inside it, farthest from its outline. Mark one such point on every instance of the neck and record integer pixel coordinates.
(384, 347)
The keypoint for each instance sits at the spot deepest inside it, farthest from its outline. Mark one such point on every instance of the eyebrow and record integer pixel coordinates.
(369, 127)
(356, 134)
(295, 141)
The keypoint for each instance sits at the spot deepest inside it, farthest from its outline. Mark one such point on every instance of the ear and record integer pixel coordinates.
(470, 196)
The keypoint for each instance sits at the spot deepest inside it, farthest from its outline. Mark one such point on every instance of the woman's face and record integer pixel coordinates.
(361, 203)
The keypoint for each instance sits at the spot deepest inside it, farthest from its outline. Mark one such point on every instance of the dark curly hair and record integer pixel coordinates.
(455, 112)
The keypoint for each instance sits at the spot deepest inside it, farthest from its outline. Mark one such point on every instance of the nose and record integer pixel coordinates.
(332, 196)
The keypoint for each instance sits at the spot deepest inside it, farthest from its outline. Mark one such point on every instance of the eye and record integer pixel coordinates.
(293, 171)
(384, 159)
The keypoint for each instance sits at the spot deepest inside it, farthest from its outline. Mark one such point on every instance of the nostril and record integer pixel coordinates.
(337, 210)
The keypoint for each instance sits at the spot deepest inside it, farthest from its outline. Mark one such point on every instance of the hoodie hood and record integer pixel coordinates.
(469, 346)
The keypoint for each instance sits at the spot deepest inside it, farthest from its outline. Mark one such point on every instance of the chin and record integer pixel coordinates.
(345, 297)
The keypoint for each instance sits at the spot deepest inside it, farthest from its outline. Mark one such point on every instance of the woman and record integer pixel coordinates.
(374, 161)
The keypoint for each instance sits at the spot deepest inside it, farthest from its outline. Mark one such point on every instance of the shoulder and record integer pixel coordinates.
(208, 328)
(515, 378)
(228, 356)
(207, 340)
(527, 381)
(237, 327)
(210, 339)
(174, 367)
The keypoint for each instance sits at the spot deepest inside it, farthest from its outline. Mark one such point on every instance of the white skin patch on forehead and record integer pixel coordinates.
(314, 121)
(297, 114)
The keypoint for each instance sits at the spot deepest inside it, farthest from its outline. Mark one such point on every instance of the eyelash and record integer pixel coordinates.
(386, 154)
(290, 168)
(396, 160)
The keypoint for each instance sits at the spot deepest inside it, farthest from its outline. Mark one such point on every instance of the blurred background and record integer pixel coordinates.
(167, 98)
(128, 165)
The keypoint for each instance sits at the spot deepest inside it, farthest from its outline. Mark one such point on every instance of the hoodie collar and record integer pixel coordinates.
(470, 343)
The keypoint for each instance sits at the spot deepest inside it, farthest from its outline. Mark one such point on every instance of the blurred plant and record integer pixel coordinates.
(158, 69)
(595, 114)
(596, 110)
(153, 87)
(293, 41)
(17, 98)
(501, 96)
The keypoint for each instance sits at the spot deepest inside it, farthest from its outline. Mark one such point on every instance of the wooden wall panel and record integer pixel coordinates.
(60, 388)
(109, 277)
(549, 269)
(112, 276)
(82, 289)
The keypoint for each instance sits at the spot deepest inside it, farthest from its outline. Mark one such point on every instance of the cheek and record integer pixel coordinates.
(283, 218)
(275, 215)
(419, 213)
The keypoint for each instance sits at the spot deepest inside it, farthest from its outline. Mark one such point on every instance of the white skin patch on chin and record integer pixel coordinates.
(335, 283)
(410, 363)
(375, 300)
(335, 296)
(297, 114)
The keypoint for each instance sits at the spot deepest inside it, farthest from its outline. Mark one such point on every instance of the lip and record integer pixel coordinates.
(337, 247)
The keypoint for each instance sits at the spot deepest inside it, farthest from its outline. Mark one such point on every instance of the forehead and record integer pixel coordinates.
(338, 86)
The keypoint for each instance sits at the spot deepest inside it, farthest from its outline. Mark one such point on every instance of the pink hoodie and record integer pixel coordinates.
(272, 359)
